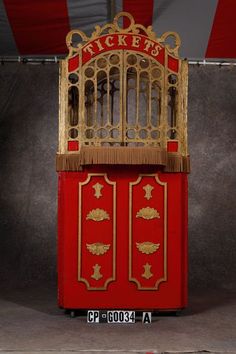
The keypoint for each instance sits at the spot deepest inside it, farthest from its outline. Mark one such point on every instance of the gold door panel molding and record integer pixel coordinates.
(97, 204)
(148, 232)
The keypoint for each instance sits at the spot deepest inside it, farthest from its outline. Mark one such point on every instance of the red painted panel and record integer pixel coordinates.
(172, 146)
(172, 294)
(39, 27)
(185, 239)
(126, 41)
(73, 63)
(173, 64)
(222, 36)
(60, 243)
(73, 145)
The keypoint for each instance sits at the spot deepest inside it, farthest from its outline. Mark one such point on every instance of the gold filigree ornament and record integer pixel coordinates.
(147, 247)
(97, 188)
(97, 248)
(148, 191)
(75, 39)
(148, 213)
(98, 215)
(96, 274)
(147, 271)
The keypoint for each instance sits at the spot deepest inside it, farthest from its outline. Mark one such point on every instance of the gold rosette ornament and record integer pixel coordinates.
(147, 247)
(98, 248)
(97, 215)
(148, 213)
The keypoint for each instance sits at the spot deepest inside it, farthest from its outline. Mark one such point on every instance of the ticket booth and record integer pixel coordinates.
(122, 166)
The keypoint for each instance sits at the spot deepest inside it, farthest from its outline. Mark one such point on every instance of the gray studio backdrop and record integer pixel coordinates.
(28, 180)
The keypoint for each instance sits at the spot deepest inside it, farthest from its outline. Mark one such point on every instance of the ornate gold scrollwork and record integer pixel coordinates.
(148, 213)
(148, 190)
(110, 28)
(147, 271)
(147, 247)
(98, 215)
(97, 188)
(96, 274)
(177, 42)
(98, 248)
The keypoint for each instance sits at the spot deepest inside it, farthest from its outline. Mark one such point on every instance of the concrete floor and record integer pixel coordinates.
(30, 322)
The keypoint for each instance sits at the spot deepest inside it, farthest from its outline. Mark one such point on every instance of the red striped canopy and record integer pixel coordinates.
(39, 27)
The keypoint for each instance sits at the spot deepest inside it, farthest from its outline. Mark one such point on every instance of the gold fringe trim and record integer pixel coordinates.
(123, 155)
(177, 163)
(172, 162)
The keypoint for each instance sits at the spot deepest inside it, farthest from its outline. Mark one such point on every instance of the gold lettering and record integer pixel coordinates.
(89, 48)
(136, 41)
(121, 40)
(148, 44)
(108, 41)
(100, 47)
(156, 50)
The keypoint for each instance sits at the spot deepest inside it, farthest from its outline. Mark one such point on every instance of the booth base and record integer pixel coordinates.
(122, 239)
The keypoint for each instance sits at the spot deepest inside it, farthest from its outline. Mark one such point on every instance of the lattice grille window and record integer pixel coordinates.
(118, 100)
(102, 100)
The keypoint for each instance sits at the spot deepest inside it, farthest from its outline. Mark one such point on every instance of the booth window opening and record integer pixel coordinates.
(117, 100)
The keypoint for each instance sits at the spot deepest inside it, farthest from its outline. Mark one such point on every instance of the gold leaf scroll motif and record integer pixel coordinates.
(148, 191)
(97, 248)
(97, 188)
(147, 247)
(97, 215)
(147, 271)
(96, 274)
(148, 213)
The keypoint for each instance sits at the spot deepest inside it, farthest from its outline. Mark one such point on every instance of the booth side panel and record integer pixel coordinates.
(185, 240)
(60, 243)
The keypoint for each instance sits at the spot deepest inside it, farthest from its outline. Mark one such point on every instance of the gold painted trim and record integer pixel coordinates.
(147, 271)
(147, 247)
(62, 148)
(96, 274)
(98, 215)
(81, 184)
(97, 190)
(97, 248)
(113, 28)
(148, 191)
(164, 278)
(148, 213)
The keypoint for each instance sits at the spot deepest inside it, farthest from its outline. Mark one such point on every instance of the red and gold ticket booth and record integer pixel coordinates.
(122, 165)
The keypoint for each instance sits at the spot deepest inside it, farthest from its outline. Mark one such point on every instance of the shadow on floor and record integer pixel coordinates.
(43, 298)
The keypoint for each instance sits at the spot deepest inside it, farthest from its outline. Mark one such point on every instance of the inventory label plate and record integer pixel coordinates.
(115, 316)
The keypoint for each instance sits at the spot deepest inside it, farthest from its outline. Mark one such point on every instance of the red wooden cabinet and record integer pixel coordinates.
(122, 239)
